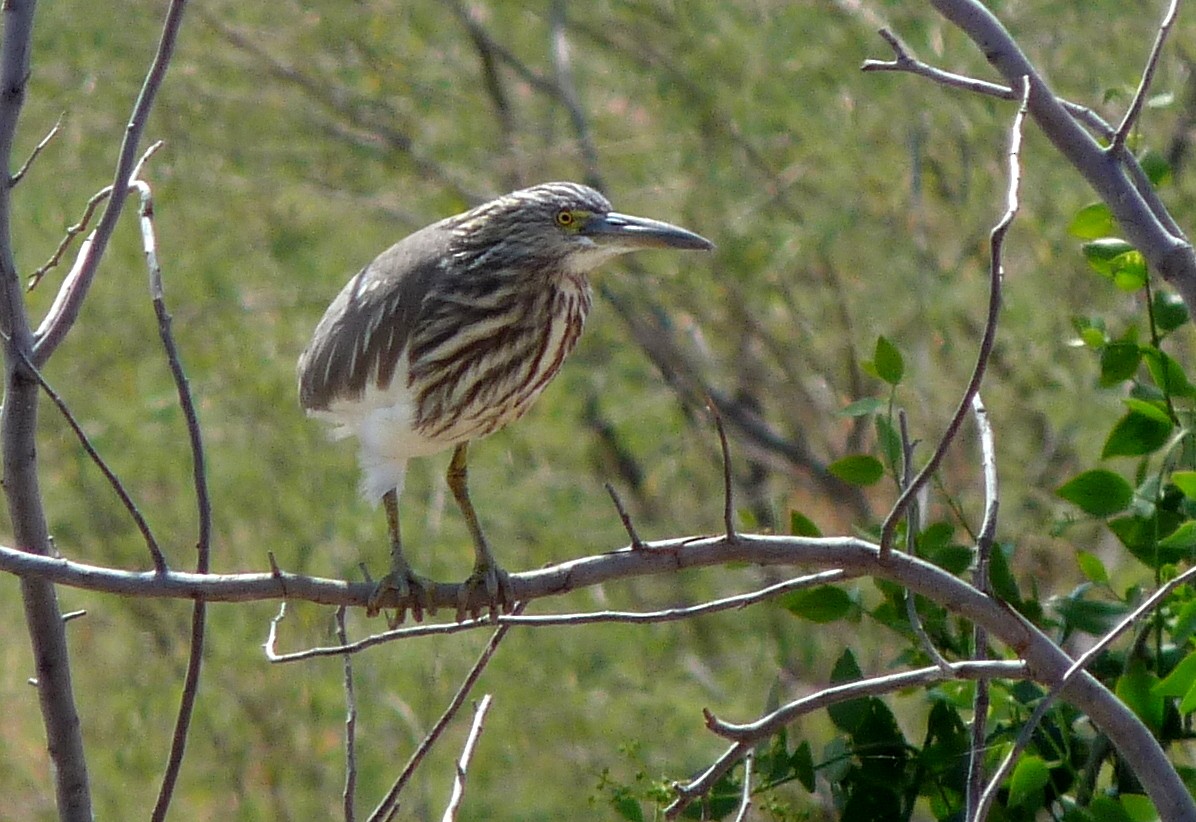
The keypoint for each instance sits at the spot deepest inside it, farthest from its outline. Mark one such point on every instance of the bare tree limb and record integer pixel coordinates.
(1167, 252)
(746, 737)
(1133, 113)
(996, 273)
(349, 794)
(471, 741)
(855, 557)
(182, 726)
(1059, 688)
(18, 432)
(65, 311)
(389, 805)
(37, 149)
(984, 545)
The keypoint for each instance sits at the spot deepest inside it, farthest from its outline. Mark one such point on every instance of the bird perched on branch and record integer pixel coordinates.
(452, 333)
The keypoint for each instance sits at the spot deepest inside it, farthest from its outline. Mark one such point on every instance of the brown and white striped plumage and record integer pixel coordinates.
(454, 331)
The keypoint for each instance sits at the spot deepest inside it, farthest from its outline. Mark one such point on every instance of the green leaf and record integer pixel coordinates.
(1098, 492)
(857, 469)
(802, 763)
(1119, 361)
(1030, 776)
(824, 604)
(1141, 537)
(1148, 408)
(1180, 680)
(864, 407)
(1118, 261)
(1136, 435)
(954, 559)
(1181, 541)
(1092, 568)
(1169, 312)
(1185, 481)
(1093, 221)
(1136, 689)
(1167, 374)
(1091, 331)
(1000, 576)
(1156, 167)
(1188, 703)
(889, 442)
(849, 715)
(1107, 809)
(888, 362)
(1092, 616)
(802, 526)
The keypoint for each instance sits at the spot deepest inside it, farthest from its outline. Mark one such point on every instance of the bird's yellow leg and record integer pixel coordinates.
(486, 572)
(411, 590)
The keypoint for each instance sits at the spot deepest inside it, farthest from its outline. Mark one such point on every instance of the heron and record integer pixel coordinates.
(451, 334)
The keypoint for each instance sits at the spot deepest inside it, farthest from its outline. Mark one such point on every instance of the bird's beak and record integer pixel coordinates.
(627, 232)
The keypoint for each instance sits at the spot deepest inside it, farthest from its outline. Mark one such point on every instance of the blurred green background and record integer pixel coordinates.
(302, 139)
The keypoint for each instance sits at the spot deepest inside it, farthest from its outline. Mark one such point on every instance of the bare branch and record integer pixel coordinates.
(737, 602)
(904, 61)
(849, 555)
(746, 737)
(996, 273)
(913, 526)
(563, 65)
(471, 741)
(624, 517)
(1135, 110)
(65, 310)
(182, 727)
(728, 486)
(745, 800)
(984, 544)
(151, 543)
(20, 173)
(18, 432)
(71, 232)
(389, 805)
(350, 792)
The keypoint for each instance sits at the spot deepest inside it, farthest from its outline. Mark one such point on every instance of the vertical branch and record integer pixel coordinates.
(18, 432)
(471, 742)
(350, 792)
(182, 727)
(984, 545)
(996, 274)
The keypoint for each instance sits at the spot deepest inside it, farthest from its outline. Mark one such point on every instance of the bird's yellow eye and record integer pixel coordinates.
(565, 218)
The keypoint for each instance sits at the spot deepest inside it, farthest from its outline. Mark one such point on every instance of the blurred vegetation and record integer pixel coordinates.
(301, 139)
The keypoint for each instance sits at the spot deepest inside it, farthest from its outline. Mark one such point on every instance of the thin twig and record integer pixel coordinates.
(637, 544)
(71, 232)
(745, 799)
(563, 66)
(203, 543)
(37, 149)
(389, 805)
(1152, 62)
(984, 545)
(913, 526)
(1082, 662)
(996, 273)
(546, 620)
(471, 741)
(350, 791)
(151, 542)
(905, 61)
(728, 490)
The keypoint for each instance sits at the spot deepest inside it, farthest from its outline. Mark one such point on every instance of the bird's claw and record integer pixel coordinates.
(495, 582)
(401, 590)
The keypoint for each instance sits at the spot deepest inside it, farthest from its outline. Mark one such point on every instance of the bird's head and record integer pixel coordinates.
(565, 226)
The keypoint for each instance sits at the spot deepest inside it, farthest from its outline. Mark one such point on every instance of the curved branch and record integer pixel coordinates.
(1045, 661)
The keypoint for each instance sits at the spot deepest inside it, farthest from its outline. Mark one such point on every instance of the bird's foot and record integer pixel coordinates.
(401, 589)
(488, 585)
